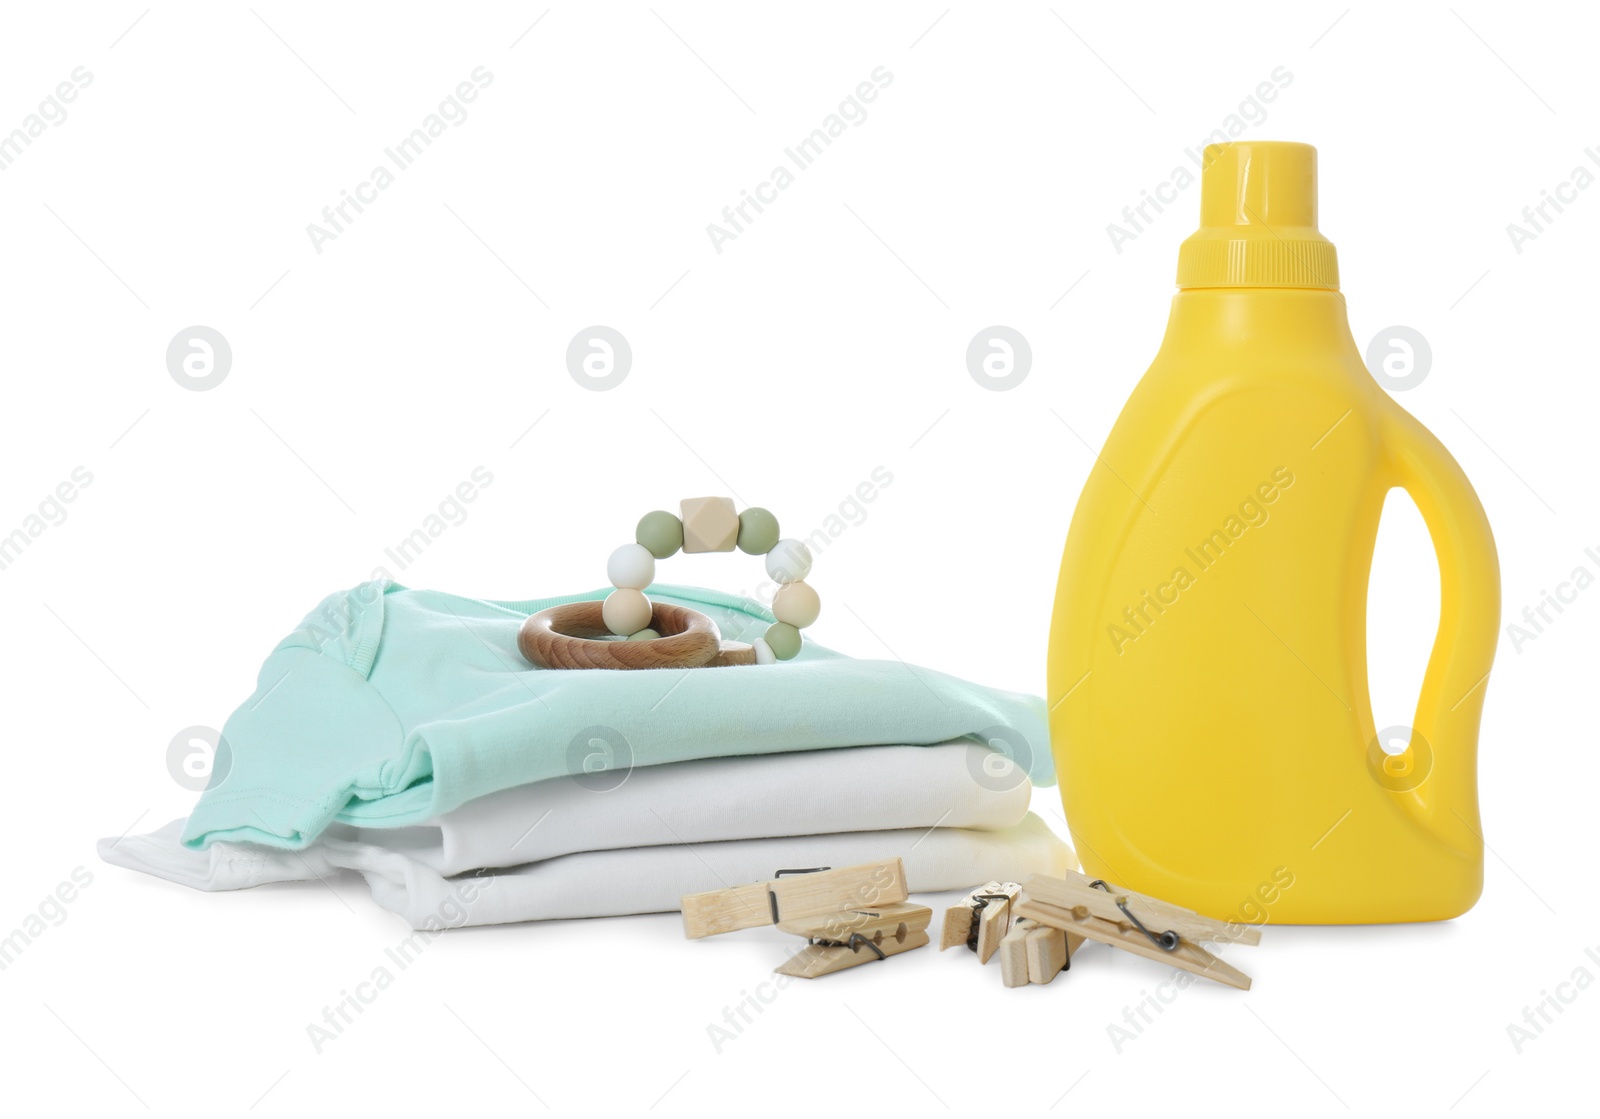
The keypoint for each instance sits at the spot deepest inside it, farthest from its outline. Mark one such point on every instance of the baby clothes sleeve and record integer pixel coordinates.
(315, 719)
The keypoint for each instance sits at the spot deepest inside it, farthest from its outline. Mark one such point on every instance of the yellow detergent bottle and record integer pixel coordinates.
(1208, 674)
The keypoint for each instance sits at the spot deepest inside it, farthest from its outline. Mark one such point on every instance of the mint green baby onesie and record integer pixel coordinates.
(388, 706)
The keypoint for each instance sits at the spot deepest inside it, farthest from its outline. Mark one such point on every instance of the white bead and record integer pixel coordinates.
(764, 654)
(797, 604)
(626, 611)
(631, 567)
(789, 561)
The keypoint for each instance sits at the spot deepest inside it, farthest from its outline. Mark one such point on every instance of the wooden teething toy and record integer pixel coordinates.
(573, 636)
(658, 635)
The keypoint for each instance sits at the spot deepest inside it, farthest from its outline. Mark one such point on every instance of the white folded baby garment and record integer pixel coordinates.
(814, 792)
(596, 883)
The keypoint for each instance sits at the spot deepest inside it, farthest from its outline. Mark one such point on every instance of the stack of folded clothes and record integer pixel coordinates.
(399, 733)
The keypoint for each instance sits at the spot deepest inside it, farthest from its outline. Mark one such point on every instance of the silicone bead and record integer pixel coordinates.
(631, 567)
(797, 604)
(626, 611)
(758, 531)
(783, 639)
(764, 653)
(710, 524)
(644, 635)
(789, 561)
(659, 532)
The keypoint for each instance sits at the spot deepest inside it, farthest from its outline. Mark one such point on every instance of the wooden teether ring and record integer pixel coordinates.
(566, 637)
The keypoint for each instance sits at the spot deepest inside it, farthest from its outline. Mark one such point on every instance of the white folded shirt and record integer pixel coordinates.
(587, 846)
(862, 788)
(598, 883)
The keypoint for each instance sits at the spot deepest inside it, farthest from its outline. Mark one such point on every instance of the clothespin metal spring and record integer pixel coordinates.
(979, 903)
(1167, 941)
(854, 944)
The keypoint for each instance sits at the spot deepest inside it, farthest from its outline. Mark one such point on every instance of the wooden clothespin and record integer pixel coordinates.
(849, 916)
(792, 894)
(843, 940)
(1035, 953)
(987, 920)
(981, 919)
(1135, 923)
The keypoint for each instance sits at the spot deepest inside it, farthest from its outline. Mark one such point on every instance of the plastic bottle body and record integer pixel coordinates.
(1207, 677)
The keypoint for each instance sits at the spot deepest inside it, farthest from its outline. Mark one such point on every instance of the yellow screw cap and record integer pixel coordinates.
(1258, 221)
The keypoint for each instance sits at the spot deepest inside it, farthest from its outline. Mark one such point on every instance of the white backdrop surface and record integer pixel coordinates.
(171, 161)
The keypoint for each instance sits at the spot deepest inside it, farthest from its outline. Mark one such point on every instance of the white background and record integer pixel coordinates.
(828, 339)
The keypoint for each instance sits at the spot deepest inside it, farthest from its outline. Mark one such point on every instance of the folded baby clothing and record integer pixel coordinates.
(868, 788)
(400, 734)
(668, 830)
(389, 706)
(607, 883)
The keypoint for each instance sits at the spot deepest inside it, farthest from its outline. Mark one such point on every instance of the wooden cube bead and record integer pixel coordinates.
(710, 524)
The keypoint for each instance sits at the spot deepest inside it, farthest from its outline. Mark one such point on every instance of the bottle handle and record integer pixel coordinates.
(1438, 777)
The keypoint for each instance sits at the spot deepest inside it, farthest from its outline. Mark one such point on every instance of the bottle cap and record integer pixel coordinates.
(1258, 221)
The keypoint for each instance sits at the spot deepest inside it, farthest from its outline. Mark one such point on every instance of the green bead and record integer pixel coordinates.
(645, 635)
(660, 533)
(784, 640)
(758, 531)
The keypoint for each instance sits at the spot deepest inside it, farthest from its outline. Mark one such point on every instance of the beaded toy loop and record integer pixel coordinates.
(662, 636)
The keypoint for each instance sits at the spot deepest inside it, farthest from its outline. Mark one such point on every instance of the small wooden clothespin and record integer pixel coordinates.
(813, 892)
(981, 919)
(843, 940)
(1145, 926)
(987, 921)
(1035, 953)
(849, 916)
